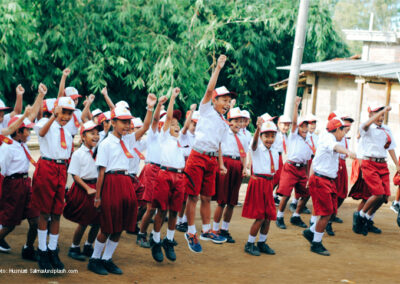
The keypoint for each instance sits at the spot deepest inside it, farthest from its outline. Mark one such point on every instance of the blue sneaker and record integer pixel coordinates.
(212, 236)
(193, 242)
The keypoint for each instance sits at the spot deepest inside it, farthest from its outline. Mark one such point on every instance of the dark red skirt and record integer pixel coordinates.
(118, 204)
(79, 207)
(342, 180)
(227, 186)
(139, 188)
(359, 190)
(259, 202)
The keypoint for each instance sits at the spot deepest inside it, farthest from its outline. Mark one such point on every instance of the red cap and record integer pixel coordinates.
(335, 123)
(26, 123)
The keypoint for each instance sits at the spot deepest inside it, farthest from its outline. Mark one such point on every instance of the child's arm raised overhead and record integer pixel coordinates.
(151, 102)
(254, 143)
(109, 102)
(213, 80)
(42, 91)
(156, 118)
(375, 117)
(188, 119)
(295, 113)
(170, 110)
(43, 131)
(18, 102)
(86, 115)
(14, 126)
(61, 87)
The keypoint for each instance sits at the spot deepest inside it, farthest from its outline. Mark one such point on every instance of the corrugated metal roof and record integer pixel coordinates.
(353, 67)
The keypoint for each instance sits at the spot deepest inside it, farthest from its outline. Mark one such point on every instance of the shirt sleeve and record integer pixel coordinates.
(74, 166)
(102, 156)
(393, 143)
(362, 131)
(205, 108)
(3, 158)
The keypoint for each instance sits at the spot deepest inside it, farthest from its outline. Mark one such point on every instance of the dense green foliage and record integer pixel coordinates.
(138, 46)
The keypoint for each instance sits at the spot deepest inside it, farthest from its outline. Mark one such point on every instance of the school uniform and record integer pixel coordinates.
(294, 172)
(6, 120)
(280, 145)
(169, 189)
(73, 125)
(202, 164)
(15, 201)
(79, 207)
(118, 197)
(136, 150)
(373, 166)
(227, 186)
(359, 189)
(50, 176)
(342, 176)
(259, 202)
(186, 141)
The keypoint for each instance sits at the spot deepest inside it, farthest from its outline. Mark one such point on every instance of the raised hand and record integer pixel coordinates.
(388, 108)
(57, 111)
(260, 121)
(233, 103)
(193, 107)
(42, 89)
(104, 91)
(66, 72)
(175, 92)
(221, 61)
(91, 98)
(162, 100)
(151, 100)
(28, 110)
(20, 90)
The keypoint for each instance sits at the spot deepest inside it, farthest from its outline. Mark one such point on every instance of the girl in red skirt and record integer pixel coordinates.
(259, 203)
(79, 206)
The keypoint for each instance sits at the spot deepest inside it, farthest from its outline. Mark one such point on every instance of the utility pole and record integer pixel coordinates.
(297, 57)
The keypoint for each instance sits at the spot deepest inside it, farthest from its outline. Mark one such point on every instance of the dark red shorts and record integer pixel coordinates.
(359, 190)
(48, 187)
(259, 202)
(277, 175)
(148, 178)
(323, 195)
(119, 205)
(79, 206)
(293, 177)
(139, 188)
(376, 177)
(15, 202)
(342, 180)
(169, 191)
(227, 186)
(202, 169)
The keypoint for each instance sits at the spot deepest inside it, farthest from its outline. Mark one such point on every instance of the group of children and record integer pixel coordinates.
(205, 160)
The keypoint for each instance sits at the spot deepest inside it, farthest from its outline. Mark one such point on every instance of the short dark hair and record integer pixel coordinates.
(341, 128)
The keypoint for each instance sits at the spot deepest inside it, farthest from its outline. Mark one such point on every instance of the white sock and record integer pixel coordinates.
(53, 239)
(156, 236)
(42, 239)
(179, 220)
(362, 214)
(368, 216)
(206, 227)
(312, 228)
(170, 234)
(251, 239)
(88, 244)
(225, 226)
(395, 202)
(279, 214)
(262, 238)
(313, 219)
(318, 237)
(184, 218)
(98, 249)
(192, 229)
(215, 226)
(294, 201)
(25, 246)
(275, 195)
(75, 246)
(109, 250)
(296, 214)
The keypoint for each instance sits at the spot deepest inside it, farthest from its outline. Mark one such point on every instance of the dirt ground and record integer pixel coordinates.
(354, 258)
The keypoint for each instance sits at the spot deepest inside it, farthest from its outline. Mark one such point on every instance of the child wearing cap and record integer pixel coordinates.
(295, 173)
(377, 140)
(5, 118)
(79, 207)
(50, 177)
(259, 203)
(322, 182)
(206, 158)
(227, 186)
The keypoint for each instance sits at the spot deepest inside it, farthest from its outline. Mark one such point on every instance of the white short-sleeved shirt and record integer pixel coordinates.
(186, 141)
(374, 140)
(278, 143)
(50, 144)
(360, 150)
(229, 145)
(134, 164)
(6, 120)
(82, 164)
(312, 139)
(13, 158)
(345, 143)
(262, 160)
(210, 129)
(153, 147)
(248, 135)
(171, 154)
(326, 160)
(110, 154)
(71, 124)
(299, 150)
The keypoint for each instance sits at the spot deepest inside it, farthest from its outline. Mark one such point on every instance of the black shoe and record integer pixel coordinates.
(329, 229)
(296, 220)
(317, 247)
(44, 260)
(87, 250)
(305, 210)
(280, 223)
(264, 248)
(250, 248)
(96, 265)
(357, 223)
(365, 226)
(110, 266)
(169, 249)
(29, 253)
(156, 251)
(372, 228)
(75, 253)
(142, 240)
(293, 207)
(4, 247)
(337, 220)
(55, 260)
(227, 235)
(395, 207)
(308, 235)
(182, 227)
(276, 200)
(398, 219)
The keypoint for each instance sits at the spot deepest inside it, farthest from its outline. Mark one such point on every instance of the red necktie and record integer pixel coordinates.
(272, 162)
(284, 143)
(388, 139)
(62, 136)
(126, 152)
(91, 153)
(5, 140)
(242, 153)
(76, 121)
(313, 145)
(29, 156)
(227, 122)
(141, 156)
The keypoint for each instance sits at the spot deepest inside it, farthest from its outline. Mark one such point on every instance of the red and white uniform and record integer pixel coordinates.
(342, 178)
(280, 145)
(186, 141)
(75, 122)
